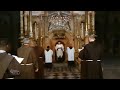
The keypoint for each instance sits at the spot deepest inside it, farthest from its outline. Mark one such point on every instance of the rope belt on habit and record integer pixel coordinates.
(90, 60)
(40, 57)
(9, 78)
(27, 64)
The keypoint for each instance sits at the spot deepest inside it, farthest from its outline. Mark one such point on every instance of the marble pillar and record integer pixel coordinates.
(25, 24)
(86, 28)
(86, 23)
(30, 22)
(21, 22)
(93, 22)
(35, 31)
(46, 39)
(21, 26)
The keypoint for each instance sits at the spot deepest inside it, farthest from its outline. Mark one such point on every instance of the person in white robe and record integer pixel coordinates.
(70, 53)
(48, 57)
(59, 51)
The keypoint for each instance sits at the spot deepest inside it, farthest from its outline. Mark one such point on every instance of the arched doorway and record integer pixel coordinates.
(65, 41)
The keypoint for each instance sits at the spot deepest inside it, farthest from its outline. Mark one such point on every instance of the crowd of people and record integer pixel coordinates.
(36, 57)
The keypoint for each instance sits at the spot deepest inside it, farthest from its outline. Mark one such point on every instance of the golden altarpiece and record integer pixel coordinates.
(49, 27)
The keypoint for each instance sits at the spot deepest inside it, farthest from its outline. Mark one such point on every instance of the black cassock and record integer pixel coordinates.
(90, 65)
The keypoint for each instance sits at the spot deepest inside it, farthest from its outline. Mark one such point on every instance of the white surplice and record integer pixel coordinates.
(48, 56)
(70, 53)
(59, 50)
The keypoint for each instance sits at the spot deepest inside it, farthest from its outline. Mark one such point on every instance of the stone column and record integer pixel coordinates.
(93, 22)
(21, 26)
(86, 23)
(82, 30)
(86, 27)
(75, 32)
(79, 28)
(41, 31)
(36, 31)
(46, 39)
(75, 38)
(41, 22)
(45, 29)
(38, 28)
(30, 22)
(25, 23)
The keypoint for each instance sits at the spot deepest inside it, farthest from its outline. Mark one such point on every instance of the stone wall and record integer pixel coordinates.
(9, 27)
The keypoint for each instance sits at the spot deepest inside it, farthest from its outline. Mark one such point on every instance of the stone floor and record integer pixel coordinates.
(111, 70)
(61, 71)
(111, 66)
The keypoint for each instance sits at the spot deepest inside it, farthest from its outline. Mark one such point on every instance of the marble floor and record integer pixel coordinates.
(111, 70)
(61, 71)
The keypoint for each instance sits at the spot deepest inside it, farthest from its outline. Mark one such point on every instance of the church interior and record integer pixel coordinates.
(49, 27)
(68, 27)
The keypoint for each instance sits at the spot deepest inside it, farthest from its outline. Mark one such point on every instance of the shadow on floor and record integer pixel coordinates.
(111, 66)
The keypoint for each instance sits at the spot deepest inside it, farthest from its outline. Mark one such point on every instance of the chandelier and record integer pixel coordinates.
(58, 20)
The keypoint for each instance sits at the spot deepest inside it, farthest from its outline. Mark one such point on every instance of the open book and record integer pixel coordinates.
(19, 59)
(80, 49)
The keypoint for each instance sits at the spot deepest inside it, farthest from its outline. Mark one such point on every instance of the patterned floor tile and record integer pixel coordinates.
(61, 71)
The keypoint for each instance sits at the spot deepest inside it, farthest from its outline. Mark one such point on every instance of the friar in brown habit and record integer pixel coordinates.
(40, 58)
(29, 65)
(91, 60)
(9, 66)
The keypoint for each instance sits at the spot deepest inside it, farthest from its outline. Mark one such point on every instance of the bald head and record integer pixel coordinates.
(26, 41)
(92, 38)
